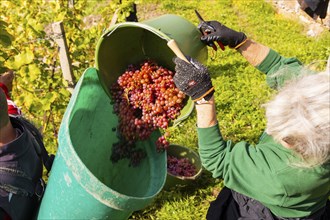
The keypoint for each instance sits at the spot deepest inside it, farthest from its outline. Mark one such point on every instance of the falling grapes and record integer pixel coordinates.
(180, 167)
(145, 99)
(126, 149)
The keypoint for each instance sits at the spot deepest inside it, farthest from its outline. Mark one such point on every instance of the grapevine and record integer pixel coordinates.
(145, 99)
(29, 49)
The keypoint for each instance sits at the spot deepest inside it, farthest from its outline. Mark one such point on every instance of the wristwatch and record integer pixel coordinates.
(205, 99)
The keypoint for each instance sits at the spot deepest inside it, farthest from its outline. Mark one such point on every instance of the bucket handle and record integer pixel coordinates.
(175, 48)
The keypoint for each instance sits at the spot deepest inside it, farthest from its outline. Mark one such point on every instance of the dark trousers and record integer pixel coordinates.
(225, 207)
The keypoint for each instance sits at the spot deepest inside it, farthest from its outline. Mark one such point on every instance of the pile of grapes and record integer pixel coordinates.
(180, 167)
(145, 98)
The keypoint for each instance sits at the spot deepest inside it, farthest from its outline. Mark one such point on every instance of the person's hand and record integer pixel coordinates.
(7, 79)
(221, 33)
(193, 79)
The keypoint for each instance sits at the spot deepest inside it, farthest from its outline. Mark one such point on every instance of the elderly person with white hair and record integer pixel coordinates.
(287, 174)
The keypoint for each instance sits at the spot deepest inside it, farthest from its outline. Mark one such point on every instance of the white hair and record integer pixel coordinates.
(300, 115)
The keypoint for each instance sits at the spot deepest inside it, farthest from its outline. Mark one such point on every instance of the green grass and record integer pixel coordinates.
(240, 89)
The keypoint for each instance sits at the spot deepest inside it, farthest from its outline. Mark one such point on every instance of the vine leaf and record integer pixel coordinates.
(21, 59)
(5, 40)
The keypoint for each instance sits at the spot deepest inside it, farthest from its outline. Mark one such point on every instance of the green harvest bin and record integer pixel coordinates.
(131, 43)
(84, 184)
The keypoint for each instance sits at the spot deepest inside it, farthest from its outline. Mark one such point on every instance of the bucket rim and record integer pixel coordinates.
(136, 24)
(113, 28)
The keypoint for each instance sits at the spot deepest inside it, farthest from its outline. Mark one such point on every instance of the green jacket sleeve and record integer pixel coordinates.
(245, 168)
(263, 172)
(280, 69)
(213, 149)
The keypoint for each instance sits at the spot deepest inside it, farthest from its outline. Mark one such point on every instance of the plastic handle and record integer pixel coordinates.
(221, 45)
(175, 48)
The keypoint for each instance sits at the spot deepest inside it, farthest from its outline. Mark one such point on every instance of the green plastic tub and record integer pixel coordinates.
(84, 183)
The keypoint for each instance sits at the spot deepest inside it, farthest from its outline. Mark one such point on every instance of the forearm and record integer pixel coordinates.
(278, 69)
(206, 114)
(253, 52)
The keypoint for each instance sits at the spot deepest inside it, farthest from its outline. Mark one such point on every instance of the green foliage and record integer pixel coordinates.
(5, 37)
(32, 53)
(5, 42)
(123, 7)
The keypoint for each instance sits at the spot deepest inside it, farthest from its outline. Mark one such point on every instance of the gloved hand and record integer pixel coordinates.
(193, 79)
(225, 35)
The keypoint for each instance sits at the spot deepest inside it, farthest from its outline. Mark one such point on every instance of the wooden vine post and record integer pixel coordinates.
(71, 3)
(65, 60)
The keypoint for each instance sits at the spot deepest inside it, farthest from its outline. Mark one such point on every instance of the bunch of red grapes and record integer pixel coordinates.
(126, 149)
(145, 99)
(180, 167)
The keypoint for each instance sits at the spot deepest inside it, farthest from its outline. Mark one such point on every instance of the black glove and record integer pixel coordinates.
(193, 79)
(221, 33)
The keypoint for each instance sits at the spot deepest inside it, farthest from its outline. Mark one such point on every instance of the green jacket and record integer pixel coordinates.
(263, 171)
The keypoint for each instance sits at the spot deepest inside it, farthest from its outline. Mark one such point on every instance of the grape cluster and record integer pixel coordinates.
(145, 98)
(162, 143)
(180, 167)
(126, 149)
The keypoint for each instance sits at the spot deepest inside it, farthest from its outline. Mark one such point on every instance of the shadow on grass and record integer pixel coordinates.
(203, 188)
